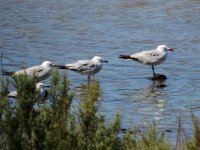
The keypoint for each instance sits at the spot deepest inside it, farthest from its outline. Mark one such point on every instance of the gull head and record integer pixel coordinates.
(99, 59)
(51, 65)
(48, 64)
(40, 86)
(164, 48)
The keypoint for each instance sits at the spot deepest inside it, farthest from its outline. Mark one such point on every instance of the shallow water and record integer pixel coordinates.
(64, 31)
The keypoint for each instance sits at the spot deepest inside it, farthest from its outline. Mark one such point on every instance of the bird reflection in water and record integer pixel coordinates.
(154, 90)
(150, 101)
(93, 87)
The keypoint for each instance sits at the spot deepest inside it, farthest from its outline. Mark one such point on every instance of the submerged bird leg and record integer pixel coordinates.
(89, 78)
(153, 70)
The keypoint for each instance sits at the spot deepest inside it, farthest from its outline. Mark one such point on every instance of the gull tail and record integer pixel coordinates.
(128, 57)
(9, 73)
(60, 66)
(125, 56)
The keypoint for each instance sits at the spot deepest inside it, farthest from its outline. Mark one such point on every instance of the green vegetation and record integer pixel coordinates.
(54, 125)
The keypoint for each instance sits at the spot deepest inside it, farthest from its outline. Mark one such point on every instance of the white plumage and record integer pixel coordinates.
(151, 57)
(86, 67)
(42, 71)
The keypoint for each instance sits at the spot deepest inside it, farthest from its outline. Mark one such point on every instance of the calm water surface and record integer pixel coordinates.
(64, 31)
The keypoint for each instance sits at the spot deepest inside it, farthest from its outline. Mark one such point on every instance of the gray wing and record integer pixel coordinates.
(83, 66)
(157, 57)
(40, 72)
(148, 57)
(30, 71)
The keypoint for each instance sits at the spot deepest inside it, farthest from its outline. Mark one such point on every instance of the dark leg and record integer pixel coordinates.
(153, 70)
(157, 76)
(89, 78)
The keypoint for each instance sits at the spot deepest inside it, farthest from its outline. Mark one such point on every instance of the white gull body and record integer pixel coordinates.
(42, 71)
(87, 67)
(151, 57)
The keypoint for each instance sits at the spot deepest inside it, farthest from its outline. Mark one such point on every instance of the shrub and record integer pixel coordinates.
(53, 125)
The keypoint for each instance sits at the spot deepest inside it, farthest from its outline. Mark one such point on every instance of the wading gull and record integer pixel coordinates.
(151, 57)
(42, 71)
(86, 67)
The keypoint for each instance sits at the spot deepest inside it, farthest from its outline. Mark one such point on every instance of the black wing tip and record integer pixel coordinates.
(128, 57)
(7, 73)
(73, 69)
(125, 56)
(60, 66)
(11, 96)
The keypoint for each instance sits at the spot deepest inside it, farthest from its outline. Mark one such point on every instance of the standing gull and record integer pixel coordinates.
(42, 71)
(86, 67)
(151, 57)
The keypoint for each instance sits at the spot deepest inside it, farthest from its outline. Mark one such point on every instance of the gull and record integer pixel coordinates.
(86, 67)
(151, 57)
(42, 93)
(42, 71)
